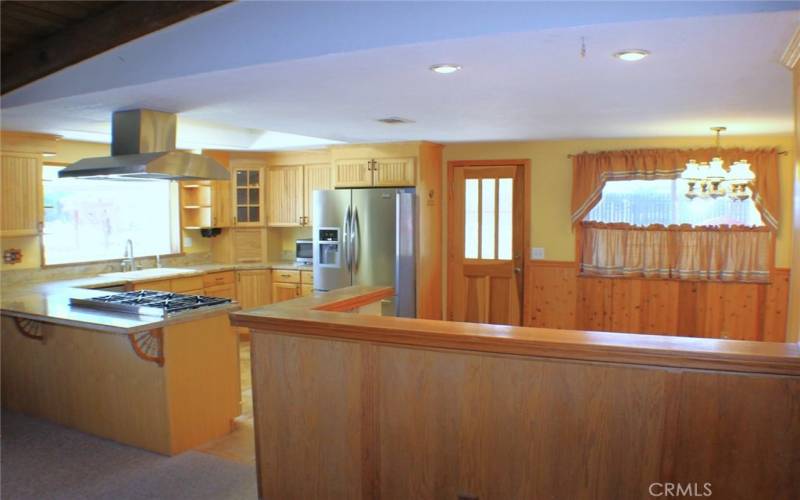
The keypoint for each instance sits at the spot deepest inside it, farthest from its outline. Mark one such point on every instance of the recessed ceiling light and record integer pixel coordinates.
(445, 69)
(631, 55)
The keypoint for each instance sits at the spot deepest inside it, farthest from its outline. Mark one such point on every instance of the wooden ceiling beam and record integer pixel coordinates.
(94, 35)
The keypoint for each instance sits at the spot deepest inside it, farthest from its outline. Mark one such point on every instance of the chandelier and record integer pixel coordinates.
(711, 180)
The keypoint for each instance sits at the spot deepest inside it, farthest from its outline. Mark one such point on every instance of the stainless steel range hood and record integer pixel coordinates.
(143, 147)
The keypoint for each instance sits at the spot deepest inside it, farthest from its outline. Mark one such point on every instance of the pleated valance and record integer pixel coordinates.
(590, 171)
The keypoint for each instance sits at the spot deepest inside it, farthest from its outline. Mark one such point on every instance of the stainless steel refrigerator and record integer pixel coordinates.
(367, 237)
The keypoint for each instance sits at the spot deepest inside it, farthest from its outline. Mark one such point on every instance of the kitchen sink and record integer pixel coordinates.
(154, 273)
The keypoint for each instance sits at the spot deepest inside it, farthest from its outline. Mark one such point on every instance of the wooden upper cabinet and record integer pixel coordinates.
(315, 177)
(289, 192)
(352, 173)
(221, 206)
(381, 172)
(285, 185)
(393, 172)
(247, 190)
(21, 184)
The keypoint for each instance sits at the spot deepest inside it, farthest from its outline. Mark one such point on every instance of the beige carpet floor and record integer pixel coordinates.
(40, 460)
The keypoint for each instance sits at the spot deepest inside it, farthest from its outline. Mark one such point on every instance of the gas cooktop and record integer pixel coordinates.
(150, 302)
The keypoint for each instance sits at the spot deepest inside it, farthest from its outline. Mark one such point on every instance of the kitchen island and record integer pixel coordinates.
(354, 405)
(162, 384)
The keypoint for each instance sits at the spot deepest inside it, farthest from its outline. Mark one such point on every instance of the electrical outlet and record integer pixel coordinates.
(537, 253)
(187, 242)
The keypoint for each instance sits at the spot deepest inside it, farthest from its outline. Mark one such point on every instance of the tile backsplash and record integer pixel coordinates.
(55, 273)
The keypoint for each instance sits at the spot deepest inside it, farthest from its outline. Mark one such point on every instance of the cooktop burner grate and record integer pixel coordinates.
(150, 302)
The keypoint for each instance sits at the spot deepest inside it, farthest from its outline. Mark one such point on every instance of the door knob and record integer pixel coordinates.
(517, 270)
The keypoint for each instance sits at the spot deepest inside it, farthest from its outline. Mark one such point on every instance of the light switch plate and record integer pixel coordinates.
(537, 253)
(187, 241)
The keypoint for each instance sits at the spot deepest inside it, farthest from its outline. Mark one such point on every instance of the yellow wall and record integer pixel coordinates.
(551, 178)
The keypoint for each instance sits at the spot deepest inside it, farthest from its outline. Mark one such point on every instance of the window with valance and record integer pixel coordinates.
(635, 221)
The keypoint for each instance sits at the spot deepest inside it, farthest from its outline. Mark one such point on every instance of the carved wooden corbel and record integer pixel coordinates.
(30, 328)
(148, 345)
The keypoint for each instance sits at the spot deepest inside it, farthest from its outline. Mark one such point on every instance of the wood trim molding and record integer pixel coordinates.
(355, 302)
(303, 317)
(792, 52)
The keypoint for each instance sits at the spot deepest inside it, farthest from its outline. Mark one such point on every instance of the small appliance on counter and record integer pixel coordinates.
(304, 251)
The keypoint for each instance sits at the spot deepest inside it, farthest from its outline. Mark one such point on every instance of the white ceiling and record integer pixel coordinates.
(528, 84)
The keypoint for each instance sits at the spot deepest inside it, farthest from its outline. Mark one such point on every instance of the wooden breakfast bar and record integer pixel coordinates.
(352, 405)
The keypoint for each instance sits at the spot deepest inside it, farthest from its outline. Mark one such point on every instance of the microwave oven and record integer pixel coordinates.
(304, 251)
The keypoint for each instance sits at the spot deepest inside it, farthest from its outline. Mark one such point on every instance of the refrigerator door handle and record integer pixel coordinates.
(346, 238)
(355, 238)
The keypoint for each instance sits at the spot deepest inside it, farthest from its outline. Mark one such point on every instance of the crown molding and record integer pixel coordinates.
(792, 52)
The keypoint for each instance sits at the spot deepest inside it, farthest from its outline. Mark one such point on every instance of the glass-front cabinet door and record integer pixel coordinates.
(248, 192)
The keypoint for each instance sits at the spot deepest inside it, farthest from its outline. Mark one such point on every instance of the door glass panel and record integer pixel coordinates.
(241, 197)
(253, 214)
(471, 219)
(487, 218)
(254, 196)
(505, 203)
(253, 177)
(241, 178)
(241, 214)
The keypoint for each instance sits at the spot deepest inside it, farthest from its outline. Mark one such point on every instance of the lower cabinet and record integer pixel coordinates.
(253, 288)
(290, 283)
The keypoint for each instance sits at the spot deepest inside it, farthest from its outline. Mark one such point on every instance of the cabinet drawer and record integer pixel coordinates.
(285, 276)
(307, 277)
(217, 279)
(226, 291)
(182, 285)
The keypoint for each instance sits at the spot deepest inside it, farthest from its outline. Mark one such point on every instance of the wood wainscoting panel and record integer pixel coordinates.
(725, 417)
(500, 427)
(776, 307)
(595, 304)
(307, 401)
(88, 380)
(558, 298)
(362, 419)
(552, 293)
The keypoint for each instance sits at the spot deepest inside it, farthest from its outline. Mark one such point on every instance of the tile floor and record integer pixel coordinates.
(239, 445)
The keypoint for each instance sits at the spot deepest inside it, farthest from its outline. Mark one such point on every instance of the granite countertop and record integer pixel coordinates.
(49, 300)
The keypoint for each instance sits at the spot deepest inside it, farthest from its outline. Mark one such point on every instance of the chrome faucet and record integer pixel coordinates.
(129, 261)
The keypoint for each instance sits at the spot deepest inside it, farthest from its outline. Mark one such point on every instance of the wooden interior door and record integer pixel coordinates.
(486, 244)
